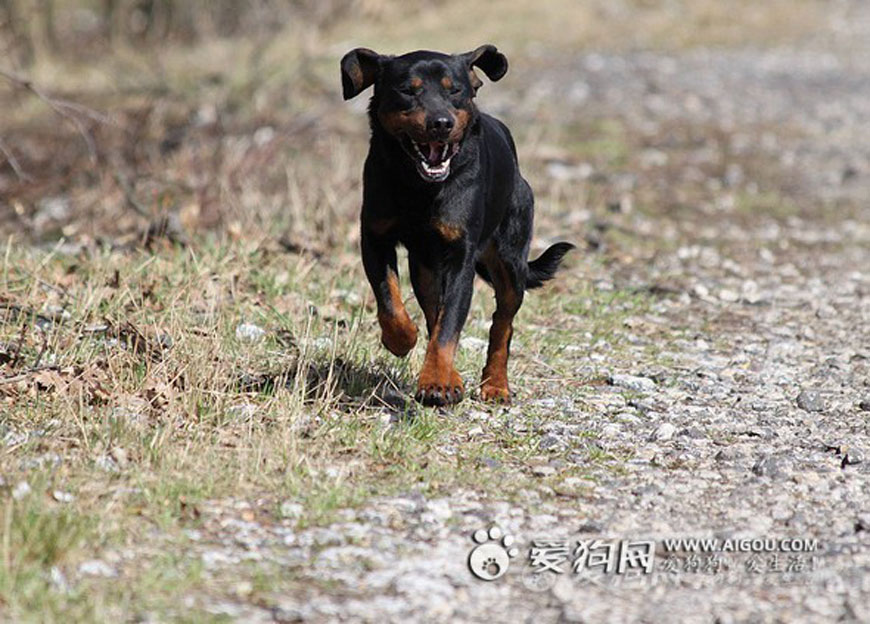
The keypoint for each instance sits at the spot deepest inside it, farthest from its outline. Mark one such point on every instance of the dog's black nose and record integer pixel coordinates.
(439, 125)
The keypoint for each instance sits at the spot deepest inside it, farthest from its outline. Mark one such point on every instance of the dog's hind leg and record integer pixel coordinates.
(508, 280)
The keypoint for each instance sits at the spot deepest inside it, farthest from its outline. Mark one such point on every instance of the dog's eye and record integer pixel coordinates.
(409, 91)
(456, 91)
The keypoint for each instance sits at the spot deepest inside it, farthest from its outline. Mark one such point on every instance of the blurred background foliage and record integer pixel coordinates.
(131, 120)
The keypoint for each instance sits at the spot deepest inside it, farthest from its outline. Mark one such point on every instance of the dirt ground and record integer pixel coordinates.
(200, 424)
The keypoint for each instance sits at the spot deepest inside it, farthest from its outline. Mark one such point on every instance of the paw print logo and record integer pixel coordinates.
(491, 558)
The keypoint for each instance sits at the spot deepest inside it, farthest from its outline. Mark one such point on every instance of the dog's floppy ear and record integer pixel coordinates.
(359, 70)
(487, 57)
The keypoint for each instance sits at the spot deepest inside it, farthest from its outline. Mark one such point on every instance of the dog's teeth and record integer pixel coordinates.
(444, 151)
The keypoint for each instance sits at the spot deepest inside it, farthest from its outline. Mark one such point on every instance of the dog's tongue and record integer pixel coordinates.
(435, 151)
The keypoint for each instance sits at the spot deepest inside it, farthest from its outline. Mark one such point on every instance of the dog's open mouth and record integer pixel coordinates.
(432, 158)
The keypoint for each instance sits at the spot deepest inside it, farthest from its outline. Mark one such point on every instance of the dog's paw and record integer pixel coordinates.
(440, 389)
(495, 393)
(398, 333)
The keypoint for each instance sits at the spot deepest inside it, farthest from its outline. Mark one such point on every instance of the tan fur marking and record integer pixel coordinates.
(462, 119)
(398, 332)
(356, 76)
(412, 123)
(448, 232)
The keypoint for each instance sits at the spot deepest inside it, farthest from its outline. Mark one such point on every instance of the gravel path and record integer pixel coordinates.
(751, 422)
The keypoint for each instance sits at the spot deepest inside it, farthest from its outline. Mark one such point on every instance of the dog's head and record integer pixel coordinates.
(423, 99)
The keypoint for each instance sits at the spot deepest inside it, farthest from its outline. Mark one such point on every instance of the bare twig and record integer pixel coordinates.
(69, 111)
(24, 311)
(13, 162)
(17, 357)
(41, 352)
(129, 195)
(23, 376)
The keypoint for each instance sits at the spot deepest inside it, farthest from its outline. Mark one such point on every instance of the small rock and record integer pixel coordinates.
(438, 510)
(263, 135)
(51, 209)
(864, 404)
(243, 588)
(58, 579)
(248, 332)
(164, 340)
(96, 567)
(549, 440)
(651, 489)
(729, 453)
(610, 430)
(693, 432)
(106, 463)
(565, 171)
(852, 456)
(750, 292)
(826, 311)
(212, 559)
(543, 471)
(291, 510)
(664, 432)
(490, 462)
(728, 296)
(782, 513)
(546, 403)
(130, 415)
(226, 610)
(811, 401)
(769, 466)
(632, 382)
(288, 613)
(50, 460)
(21, 490)
(475, 431)
(575, 482)
(242, 412)
(119, 454)
(62, 497)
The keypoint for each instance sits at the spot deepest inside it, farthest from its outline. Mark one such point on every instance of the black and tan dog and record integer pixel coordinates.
(442, 179)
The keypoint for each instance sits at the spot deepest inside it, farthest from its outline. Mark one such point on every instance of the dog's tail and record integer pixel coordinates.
(544, 268)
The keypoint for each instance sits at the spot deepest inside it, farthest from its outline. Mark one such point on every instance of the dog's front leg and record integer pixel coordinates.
(398, 332)
(439, 382)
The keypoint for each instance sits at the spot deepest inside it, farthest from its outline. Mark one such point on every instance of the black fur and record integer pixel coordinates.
(544, 268)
